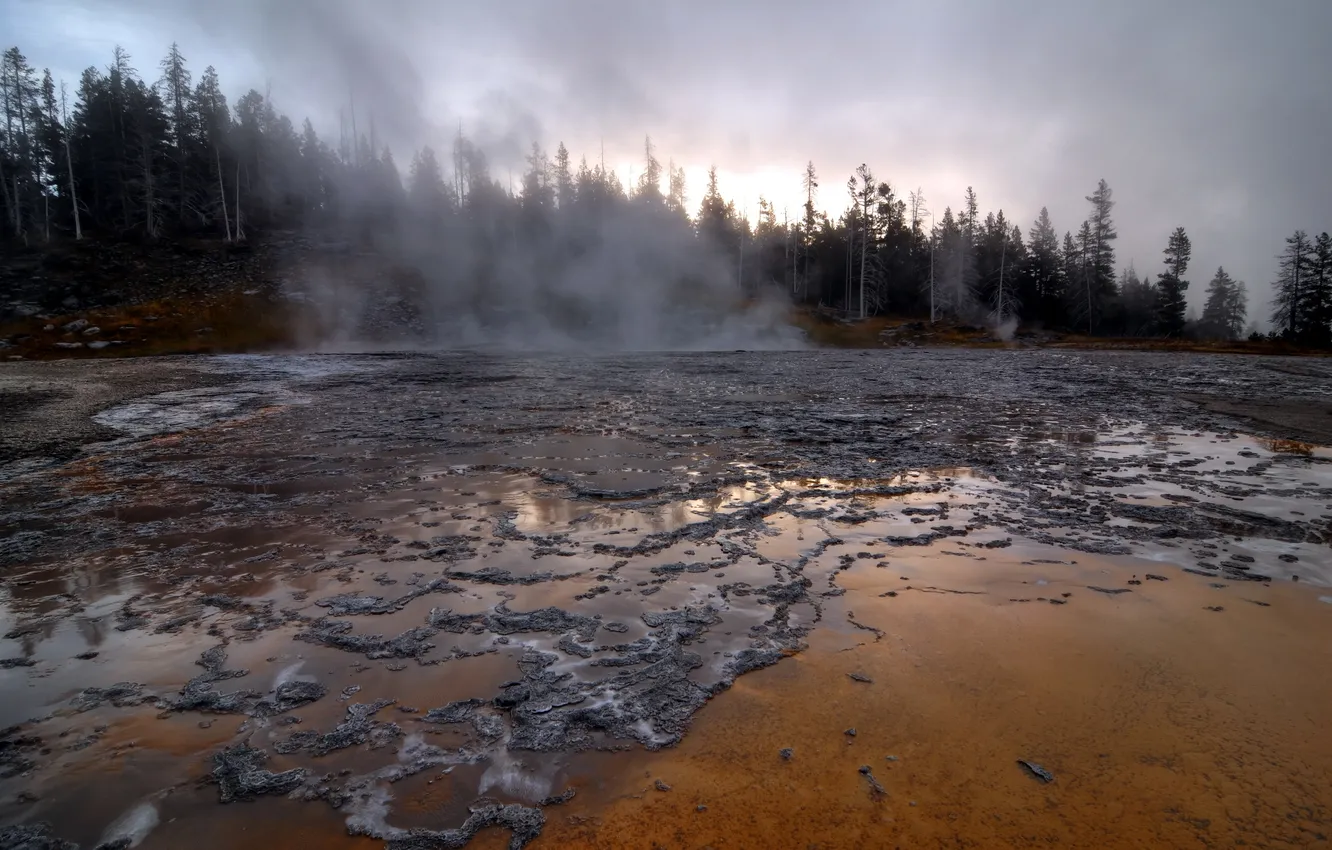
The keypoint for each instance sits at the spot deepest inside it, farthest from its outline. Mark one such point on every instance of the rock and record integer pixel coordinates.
(1036, 770)
(69, 345)
(76, 325)
(860, 677)
(93, 331)
(786, 753)
(48, 328)
(238, 772)
(99, 345)
(661, 786)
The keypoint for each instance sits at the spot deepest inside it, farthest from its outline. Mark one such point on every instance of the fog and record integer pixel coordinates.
(1205, 113)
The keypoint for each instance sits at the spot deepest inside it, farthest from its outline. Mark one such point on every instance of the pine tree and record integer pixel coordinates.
(1291, 289)
(175, 88)
(649, 182)
(1099, 255)
(1171, 304)
(1044, 274)
(1318, 306)
(1224, 314)
(564, 185)
(675, 195)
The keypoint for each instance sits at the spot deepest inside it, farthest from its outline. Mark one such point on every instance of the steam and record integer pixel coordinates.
(630, 276)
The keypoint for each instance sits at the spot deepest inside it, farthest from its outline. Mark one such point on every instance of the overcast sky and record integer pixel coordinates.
(1211, 114)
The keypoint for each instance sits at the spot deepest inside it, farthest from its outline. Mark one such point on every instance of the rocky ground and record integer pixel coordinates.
(431, 594)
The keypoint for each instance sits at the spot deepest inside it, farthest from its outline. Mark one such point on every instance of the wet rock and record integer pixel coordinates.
(357, 728)
(289, 696)
(1109, 591)
(549, 620)
(199, 693)
(786, 753)
(1151, 577)
(860, 677)
(661, 786)
(18, 753)
(238, 772)
(33, 836)
(120, 695)
(523, 822)
(1036, 770)
(850, 733)
(11, 663)
(455, 712)
(558, 799)
(876, 790)
(412, 643)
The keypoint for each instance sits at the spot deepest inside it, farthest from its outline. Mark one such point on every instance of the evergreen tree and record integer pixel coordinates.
(1171, 304)
(564, 185)
(1099, 255)
(649, 182)
(1291, 289)
(1224, 314)
(1044, 276)
(1318, 306)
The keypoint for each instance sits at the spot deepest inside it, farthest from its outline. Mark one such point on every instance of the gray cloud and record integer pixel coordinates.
(1211, 114)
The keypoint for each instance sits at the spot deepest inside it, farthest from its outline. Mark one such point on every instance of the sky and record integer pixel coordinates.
(1213, 115)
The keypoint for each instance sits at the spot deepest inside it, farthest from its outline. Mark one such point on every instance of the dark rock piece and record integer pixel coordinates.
(455, 712)
(1151, 577)
(1036, 770)
(121, 695)
(661, 786)
(786, 753)
(1109, 591)
(523, 821)
(558, 799)
(16, 753)
(851, 733)
(860, 677)
(877, 791)
(33, 836)
(238, 772)
(356, 728)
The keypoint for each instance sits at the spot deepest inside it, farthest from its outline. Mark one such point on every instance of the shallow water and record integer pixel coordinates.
(1124, 590)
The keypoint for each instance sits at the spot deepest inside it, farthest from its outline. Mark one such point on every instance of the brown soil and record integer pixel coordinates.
(1165, 725)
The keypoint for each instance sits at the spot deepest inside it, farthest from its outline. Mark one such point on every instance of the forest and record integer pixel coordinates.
(151, 157)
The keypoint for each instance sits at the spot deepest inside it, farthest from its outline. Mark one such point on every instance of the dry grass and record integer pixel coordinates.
(829, 332)
(226, 322)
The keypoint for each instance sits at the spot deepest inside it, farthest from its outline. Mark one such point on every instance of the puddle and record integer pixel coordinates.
(451, 616)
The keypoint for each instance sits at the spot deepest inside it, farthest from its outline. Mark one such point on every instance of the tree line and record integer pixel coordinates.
(126, 158)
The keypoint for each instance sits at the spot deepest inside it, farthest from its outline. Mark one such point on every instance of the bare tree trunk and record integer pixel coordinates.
(10, 202)
(18, 213)
(149, 219)
(46, 202)
(222, 192)
(864, 243)
(240, 229)
(73, 193)
(1003, 255)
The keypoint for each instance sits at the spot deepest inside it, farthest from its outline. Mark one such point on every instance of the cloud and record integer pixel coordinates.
(1209, 114)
